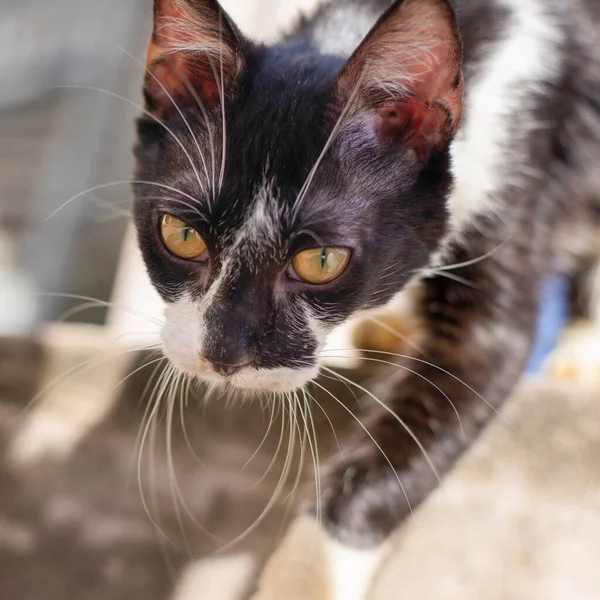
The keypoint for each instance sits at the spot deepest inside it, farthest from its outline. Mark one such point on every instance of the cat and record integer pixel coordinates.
(283, 189)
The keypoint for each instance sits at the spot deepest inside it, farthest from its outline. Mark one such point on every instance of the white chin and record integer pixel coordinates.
(273, 380)
(281, 379)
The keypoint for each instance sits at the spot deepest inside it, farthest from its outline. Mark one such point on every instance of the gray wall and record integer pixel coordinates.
(57, 141)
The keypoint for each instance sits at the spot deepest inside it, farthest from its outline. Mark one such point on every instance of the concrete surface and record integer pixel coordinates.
(519, 518)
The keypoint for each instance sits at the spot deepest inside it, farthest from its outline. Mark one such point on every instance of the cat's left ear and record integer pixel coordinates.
(407, 74)
(195, 51)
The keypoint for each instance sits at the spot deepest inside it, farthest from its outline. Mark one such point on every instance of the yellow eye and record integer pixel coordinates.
(321, 265)
(180, 239)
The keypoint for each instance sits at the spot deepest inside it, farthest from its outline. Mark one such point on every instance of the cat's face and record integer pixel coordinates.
(286, 192)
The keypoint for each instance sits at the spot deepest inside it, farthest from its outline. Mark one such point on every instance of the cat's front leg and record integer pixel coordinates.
(480, 328)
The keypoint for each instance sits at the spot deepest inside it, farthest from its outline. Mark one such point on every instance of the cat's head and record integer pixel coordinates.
(285, 191)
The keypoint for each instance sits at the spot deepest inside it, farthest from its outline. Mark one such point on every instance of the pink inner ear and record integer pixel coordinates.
(438, 79)
(189, 46)
(409, 70)
(178, 24)
(413, 121)
(172, 77)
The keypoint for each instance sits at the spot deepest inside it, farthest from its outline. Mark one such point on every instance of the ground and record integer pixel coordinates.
(518, 518)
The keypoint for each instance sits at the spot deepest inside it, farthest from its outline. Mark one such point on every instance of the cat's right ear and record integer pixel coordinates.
(195, 53)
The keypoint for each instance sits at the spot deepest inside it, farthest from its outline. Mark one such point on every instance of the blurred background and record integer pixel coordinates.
(72, 523)
(70, 82)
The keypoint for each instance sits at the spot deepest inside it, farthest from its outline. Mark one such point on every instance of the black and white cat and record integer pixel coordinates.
(283, 189)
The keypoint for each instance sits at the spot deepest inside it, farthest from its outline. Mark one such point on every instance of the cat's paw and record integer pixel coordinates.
(363, 500)
(577, 357)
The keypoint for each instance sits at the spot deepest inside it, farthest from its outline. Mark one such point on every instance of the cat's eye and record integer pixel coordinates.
(320, 265)
(180, 239)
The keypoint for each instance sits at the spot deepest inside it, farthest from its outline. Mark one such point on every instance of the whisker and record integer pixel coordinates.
(153, 487)
(350, 390)
(474, 261)
(302, 438)
(393, 364)
(397, 417)
(151, 426)
(425, 362)
(209, 129)
(377, 445)
(320, 406)
(99, 303)
(154, 361)
(389, 267)
(262, 443)
(176, 493)
(156, 119)
(154, 386)
(182, 406)
(152, 483)
(275, 455)
(178, 109)
(194, 209)
(330, 140)
(280, 484)
(115, 183)
(114, 211)
(173, 486)
(76, 310)
(403, 338)
(223, 109)
(314, 450)
(68, 375)
(399, 271)
(456, 278)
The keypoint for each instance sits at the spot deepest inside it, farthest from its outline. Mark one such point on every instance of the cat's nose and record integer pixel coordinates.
(226, 369)
(224, 362)
(229, 341)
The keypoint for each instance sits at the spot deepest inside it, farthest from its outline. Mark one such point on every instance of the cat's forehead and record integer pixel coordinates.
(279, 121)
(262, 231)
(274, 133)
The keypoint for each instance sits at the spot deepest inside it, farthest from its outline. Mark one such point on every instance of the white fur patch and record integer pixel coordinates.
(310, 565)
(498, 107)
(337, 35)
(339, 349)
(182, 340)
(352, 572)
(182, 334)
(281, 379)
(262, 225)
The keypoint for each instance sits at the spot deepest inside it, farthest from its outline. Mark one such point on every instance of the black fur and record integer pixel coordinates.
(392, 211)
